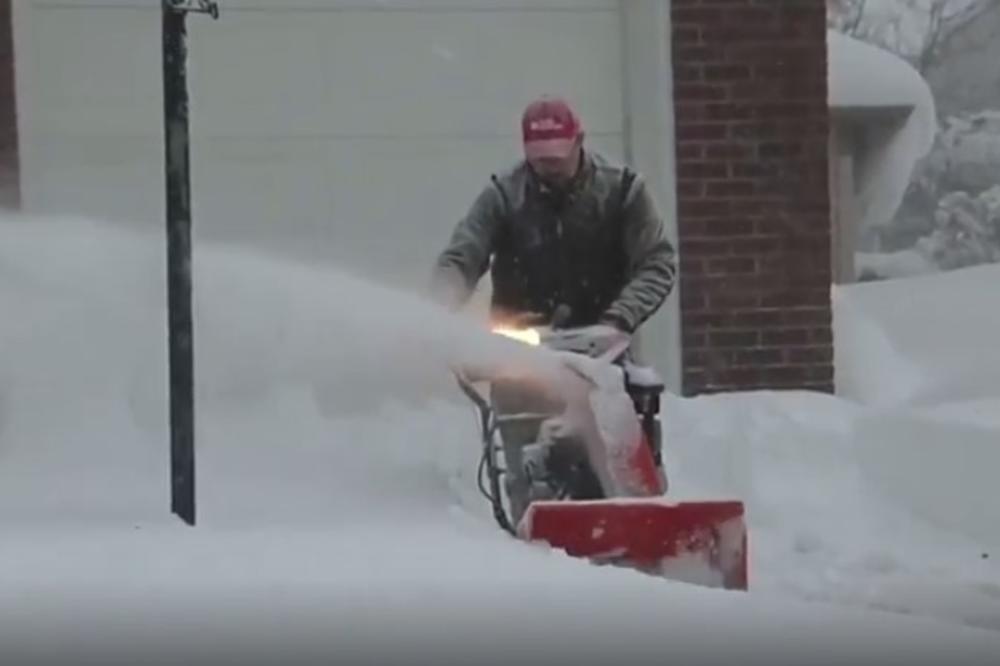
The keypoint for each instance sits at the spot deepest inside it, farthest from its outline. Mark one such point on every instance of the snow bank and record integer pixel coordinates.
(843, 507)
(943, 470)
(338, 514)
(921, 356)
(892, 265)
(864, 76)
(923, 340)
(885, 495)
(420, 595)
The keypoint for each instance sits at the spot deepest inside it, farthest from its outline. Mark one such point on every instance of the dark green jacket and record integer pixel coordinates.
(598, 248)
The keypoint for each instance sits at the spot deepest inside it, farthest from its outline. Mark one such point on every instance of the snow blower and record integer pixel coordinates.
(579, 464)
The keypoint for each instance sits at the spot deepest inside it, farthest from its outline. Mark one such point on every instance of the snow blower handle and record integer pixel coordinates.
(598, 341)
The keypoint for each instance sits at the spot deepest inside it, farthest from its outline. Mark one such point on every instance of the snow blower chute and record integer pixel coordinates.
(579, 464)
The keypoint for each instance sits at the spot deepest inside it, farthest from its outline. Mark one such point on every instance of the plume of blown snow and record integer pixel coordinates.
(94, 296)
(304, 376)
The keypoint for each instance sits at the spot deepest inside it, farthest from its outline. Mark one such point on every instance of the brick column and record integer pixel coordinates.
(9, 172)
(753, 200)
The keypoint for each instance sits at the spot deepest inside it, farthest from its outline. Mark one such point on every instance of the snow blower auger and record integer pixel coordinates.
(580, 465)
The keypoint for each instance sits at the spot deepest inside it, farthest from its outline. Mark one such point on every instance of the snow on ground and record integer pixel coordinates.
(338, 514)
(921, 354)
(838, 503)
(893, 265)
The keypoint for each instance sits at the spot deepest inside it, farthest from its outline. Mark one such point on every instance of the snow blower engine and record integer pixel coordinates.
(579, 464)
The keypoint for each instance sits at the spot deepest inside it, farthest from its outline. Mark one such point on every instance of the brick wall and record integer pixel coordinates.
(753, 199)
(9, 179)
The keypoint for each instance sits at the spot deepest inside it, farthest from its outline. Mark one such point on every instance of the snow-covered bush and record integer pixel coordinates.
(967, 230)
(951, 212)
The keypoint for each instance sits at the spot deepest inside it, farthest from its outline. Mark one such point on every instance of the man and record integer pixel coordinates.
(571, 240)
(565, 234)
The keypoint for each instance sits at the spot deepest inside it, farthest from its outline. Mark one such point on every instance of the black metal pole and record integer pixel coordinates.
(179, 278)
(181, 334)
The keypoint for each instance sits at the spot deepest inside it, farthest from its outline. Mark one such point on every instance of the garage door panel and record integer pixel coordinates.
(258, 73)
(260, 192)
(119, 179)
(95, 70)
(400, 73)
(287, 194)
(405, 6)
(381, 207)
(329, 133)
(469, 73)
(272, 7)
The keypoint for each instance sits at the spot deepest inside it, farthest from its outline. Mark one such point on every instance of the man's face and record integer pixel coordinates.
(557, 171)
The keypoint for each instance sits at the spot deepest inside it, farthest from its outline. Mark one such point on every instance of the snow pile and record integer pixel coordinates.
(861, 75)
(943, 470)
(929, 358)
(892, 265)
(840, 512)
(925, 340)
(431, 595)
(856, 68)
(339, 518)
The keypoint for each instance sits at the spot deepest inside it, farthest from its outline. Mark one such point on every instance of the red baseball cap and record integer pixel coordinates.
(549, 128)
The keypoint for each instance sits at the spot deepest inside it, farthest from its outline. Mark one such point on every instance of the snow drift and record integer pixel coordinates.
(920, 341)
(924, 350)
(338, 511)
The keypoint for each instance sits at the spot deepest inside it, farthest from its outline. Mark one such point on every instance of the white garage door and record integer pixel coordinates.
(331, 130)
(357, 132)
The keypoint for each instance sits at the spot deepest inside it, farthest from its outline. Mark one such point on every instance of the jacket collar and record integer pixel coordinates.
(572, 188)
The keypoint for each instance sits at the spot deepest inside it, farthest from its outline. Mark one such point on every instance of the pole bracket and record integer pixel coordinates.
(210, 7)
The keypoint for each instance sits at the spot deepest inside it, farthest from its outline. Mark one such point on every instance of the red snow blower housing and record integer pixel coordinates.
(579, 464)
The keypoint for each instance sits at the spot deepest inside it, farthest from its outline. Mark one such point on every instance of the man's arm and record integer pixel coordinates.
(652, 262)
(466, 257)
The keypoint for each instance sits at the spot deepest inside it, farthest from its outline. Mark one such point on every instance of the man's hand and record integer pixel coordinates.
(615, 322)
(596, 340)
